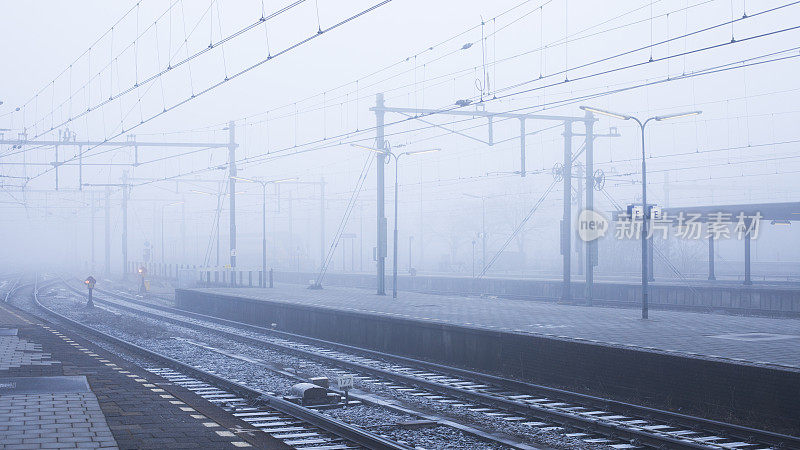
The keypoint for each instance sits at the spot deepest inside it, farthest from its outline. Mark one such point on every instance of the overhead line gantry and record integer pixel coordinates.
(587, 119)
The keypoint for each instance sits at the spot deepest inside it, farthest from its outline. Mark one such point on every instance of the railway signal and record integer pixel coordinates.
(90, 282)
(142, 285)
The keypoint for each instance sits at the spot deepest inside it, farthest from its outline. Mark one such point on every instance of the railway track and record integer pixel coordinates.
(592, 419)
(297, 426)
(13, 288)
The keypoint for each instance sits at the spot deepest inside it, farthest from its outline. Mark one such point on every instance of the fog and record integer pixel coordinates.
(298, 95)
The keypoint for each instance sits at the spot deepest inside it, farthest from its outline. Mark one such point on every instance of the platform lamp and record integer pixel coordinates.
(645, 211)
(263, 184)
(396, 156)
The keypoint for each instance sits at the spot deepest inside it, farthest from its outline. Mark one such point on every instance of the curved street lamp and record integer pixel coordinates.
(645, 211)
(263, 184)
(396, 156)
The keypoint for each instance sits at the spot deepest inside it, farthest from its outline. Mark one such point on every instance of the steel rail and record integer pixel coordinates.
(731, 431)
(366, 399)
(345, 431)
(13, 289)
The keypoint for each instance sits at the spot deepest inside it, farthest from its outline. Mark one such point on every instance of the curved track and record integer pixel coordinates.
(275, 415)
(511, 400)
(14, 286)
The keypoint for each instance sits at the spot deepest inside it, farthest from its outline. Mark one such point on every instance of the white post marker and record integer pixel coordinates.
(345, 383)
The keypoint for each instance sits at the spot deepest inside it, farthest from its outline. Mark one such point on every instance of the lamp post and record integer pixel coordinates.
(263, 184)
(163, 258)
(396, 156)
(645, 209)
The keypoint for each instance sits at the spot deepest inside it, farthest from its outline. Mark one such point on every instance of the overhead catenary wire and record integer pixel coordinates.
(247, 69)
(109, 66)
(732, 67)
(358, 82)
(123, 91)
(348, 137)
(85, 52)
(548, 2)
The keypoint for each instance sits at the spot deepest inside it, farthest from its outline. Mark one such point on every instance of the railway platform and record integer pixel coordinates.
(754, 340)
(58, 390)
(686, 360)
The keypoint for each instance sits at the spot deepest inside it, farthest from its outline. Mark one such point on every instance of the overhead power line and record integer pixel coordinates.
(241, 72)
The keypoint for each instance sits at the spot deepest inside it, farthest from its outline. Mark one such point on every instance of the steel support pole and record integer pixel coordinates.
(360, 236)
(292, 250)
(80, 168)
(394, 251)
(650, 258)
(667, 243)
(579, 248)
(483, 233)
(163, 256)
(711, 275)
(56, 161)
(590, 250)
(125, 224)
(522, 147)
(322, 223)
(92, 255)
(645, 216)
(473, 258)
(154, 241)
(107, 254)
(566, 235)
(421, 237)
(183, 229)
(410, 249)
(381, 215)
(232, 187)
(747, 280)
(219, 213)
(263, 235)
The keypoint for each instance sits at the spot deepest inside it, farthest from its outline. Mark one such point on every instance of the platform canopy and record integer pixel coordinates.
(779, 212)
(787, 211)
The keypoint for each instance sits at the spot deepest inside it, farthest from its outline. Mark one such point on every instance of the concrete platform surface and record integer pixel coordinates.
(767, 341)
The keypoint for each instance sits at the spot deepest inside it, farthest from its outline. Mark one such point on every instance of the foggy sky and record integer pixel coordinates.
(740, 150)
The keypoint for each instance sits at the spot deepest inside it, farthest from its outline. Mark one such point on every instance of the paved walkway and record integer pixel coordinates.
(77, 395)
(66, 420)
(16, 352)
(751, 339)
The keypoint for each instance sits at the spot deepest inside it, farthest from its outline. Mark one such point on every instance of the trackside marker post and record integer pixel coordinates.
(345, 383)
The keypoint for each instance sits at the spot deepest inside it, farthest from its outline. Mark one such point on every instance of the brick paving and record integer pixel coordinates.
(771, 341)
(16, 352)
(127, 407)
(53, 421)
